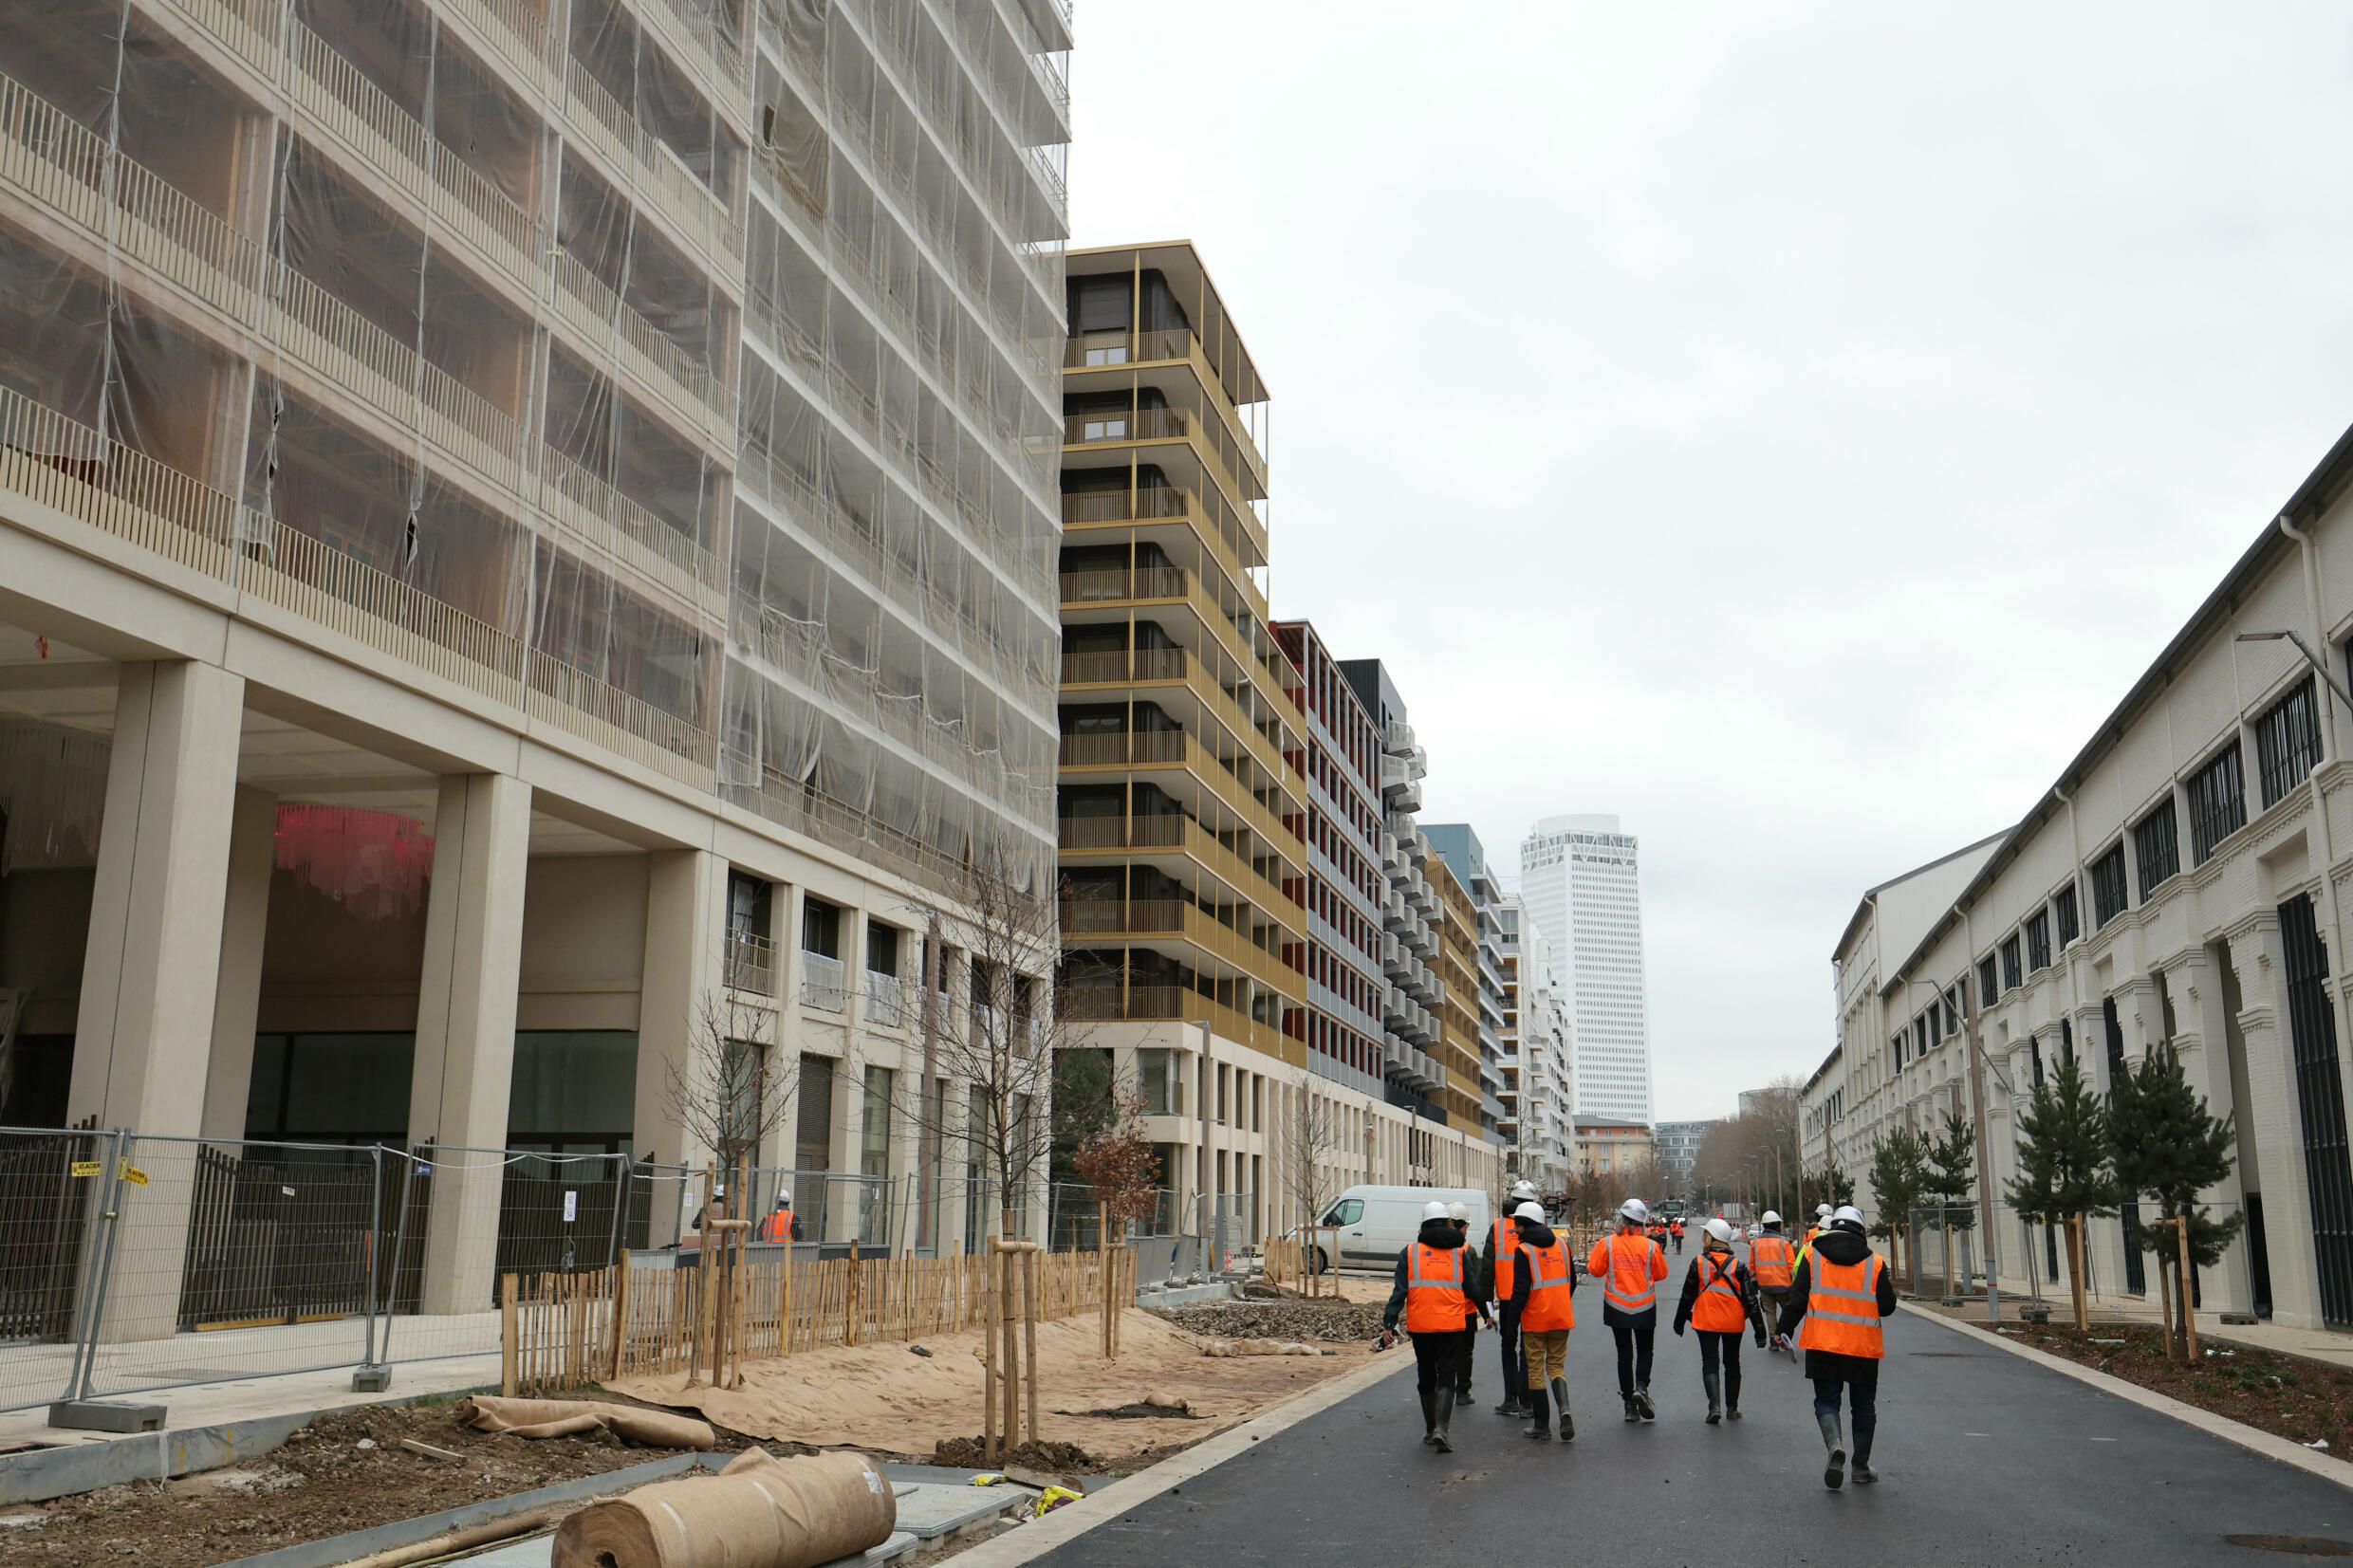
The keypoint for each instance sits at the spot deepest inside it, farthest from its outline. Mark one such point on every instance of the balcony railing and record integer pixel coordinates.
(1137, 748)
(655, 172)
(580, 297)
(1120, 665)
(601, 515)
(751, 963)
(822, 983)
(1100, 587)
(886, 1000)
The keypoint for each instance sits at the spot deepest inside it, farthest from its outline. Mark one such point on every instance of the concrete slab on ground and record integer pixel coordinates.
(538, 1551)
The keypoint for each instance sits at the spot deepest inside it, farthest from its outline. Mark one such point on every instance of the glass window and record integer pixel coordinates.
(1346, 1212)
(2157, 847)
(2287, 743)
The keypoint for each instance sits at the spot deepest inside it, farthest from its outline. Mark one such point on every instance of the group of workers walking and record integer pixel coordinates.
(1831, 1290)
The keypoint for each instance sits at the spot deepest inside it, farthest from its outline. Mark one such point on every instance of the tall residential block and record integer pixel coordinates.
(520, 521)
(1216, 926)
(1538, 1052)
(1582, 879)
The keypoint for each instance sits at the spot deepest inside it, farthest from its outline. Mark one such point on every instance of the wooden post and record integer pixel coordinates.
(849, 1299)
(706, 1303)
(2075, 1269)
(1033, 1282)
(988, 1359)
(1103, 1269)
(1008, 1349)
(2165, 1303)
(2189, 1314)
(506, 1325)
(620, 1311)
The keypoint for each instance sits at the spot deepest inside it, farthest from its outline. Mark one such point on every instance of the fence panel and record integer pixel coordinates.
(51, 1185)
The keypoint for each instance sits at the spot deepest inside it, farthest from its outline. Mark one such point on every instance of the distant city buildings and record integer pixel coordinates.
(1612, 1146)
(1580, 878)
(1539, 1095)
(1677, 1143)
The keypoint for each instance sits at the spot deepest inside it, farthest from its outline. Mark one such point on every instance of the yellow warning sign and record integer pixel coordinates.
(133, 1174)
(86, 1168)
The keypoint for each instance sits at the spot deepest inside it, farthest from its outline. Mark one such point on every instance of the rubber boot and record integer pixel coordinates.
(1430, 1418)
(1540, 1417)
(1834, 1473)
(1446, 1414)
(1715, 1380)
(1560, 1397)
(1642, 1403)
(1864, 1474)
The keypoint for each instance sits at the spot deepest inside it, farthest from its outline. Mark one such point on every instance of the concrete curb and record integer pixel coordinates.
(1074, 1520)
(2252, 1438)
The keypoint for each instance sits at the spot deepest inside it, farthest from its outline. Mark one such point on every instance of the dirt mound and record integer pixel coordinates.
(1137, 1411)
(1288, 1321)
(963, 1453)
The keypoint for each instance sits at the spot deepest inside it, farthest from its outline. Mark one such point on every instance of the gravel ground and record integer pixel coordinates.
(1278, 1320)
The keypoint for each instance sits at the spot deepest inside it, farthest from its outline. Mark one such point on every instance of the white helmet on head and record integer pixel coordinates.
(1770, 1218)
(1523, 1189)
(1822, 1211)
(1634, 1212)
(1459, 1211)
(1529, 1211)
(1433, 1211)
(1849, 1218)
(1720, 1230)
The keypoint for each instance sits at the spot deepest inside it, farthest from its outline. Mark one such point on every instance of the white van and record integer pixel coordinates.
(1376, 1223)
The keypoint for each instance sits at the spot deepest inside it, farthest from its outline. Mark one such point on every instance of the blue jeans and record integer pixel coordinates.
(1862, 1393)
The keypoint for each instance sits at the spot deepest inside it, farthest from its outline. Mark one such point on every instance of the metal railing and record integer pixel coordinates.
(750, 962)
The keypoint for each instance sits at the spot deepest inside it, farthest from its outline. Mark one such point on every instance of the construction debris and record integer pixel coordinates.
(570, 1417)
(1259, 1347)
(1282, 1321)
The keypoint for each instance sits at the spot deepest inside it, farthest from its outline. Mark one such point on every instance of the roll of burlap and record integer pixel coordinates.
(566, 1417)
(757, 1513)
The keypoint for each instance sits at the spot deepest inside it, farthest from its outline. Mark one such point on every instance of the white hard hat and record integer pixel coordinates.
(1459, 1211)
(1771, 1218)
(1530, 1211)
(1634, 1210)
(1721, 1230)
(1433, 1211)
(1523, 1189)
(1822, 1212)
(1848, 1215)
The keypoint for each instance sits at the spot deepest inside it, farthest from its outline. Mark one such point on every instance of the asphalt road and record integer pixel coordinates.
(1986, 1458)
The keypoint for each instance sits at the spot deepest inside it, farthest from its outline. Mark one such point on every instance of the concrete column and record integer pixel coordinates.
(2256, 957)
(237, 996)
(685, 921)
(466, 1027)
(142, 1035)
(2194, 984)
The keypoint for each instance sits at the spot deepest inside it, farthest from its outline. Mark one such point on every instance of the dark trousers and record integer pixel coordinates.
(1439, 1362)
(1464, 1357)
(1514, 1358)
(1862, 1393)
(1633, 1332)
(1717, 1350)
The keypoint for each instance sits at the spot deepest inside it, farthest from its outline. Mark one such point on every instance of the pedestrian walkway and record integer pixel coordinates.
(1986, 1459)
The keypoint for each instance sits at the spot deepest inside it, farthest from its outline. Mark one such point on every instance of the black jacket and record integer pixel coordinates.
(1742, 1281)
(1438, 1233)
(1842, 1248)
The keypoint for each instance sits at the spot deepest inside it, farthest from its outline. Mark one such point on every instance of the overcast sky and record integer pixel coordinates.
(1789, 428)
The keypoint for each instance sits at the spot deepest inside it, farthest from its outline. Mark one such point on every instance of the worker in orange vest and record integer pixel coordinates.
(780, 1226)
(1542, 1283)
(1719, 1300)
(1842, 1290)
(1433, 1279)
(1822, 1222)
(1503, 1240)
(1630, 1265)
(1773, 1261)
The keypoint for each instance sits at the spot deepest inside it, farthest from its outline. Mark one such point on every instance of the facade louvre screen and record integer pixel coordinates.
(2320, 1097)
(2217, 795)
(2012, 976)
(2070, 927)
(2107, 887)
(2287, 743)
(2038, 942)
(2128, 1212)
(1987, 991)
(2156, 848)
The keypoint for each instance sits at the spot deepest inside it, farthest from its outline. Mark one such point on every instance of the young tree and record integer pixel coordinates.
(1116, 1160)
(1836, 1183)
(726, 1096)
(1952, 1170)
(1311, 1137)
(1898, 1172)
(2163, 1142)
(2063, 1169)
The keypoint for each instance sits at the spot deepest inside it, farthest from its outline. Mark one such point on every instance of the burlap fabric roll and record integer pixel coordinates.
(570, 1417)
(757, 1513)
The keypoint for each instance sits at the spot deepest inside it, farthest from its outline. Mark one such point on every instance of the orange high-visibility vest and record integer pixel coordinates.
(1507, 1242)
(1549, 1287)
(777, 1227)
(1629, 1265)
(1772, 1258)
(1433, 1300)
(1720, 1309)
(1842, 1308)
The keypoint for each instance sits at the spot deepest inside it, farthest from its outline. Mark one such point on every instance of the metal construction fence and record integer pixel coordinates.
(131, 1262)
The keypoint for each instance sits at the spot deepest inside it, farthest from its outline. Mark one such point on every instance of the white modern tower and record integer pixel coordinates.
(1581, 880)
